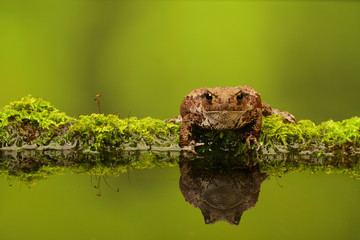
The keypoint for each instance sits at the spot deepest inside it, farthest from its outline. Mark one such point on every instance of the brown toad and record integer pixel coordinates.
(224, 108)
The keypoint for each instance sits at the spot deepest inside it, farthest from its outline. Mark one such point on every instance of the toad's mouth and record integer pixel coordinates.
(224, 113)
(225, 117)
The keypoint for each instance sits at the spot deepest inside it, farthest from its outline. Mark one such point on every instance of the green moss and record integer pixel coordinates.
(327, 138)
(30, 110)
(31, 121)
(306, 132)
(341, 133)
(35, 123)
(98, 132)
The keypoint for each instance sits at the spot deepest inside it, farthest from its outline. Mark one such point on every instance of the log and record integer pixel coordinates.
(34, 134)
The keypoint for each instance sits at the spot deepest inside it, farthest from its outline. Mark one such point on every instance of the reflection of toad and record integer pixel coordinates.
(224, 108)
(222, 194)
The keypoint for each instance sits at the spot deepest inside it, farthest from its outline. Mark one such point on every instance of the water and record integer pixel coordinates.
(151, 205)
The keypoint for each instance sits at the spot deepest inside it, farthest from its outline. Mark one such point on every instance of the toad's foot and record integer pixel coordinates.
(253, 139)
(267, 110)
(191, 147)
(177, 119)
(288, 117)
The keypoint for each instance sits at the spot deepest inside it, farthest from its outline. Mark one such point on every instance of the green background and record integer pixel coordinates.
(143, 57)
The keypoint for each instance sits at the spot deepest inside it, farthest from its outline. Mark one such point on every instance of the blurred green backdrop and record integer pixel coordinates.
(145, 56)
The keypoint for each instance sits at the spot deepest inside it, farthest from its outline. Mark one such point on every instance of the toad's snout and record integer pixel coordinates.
(223, 119)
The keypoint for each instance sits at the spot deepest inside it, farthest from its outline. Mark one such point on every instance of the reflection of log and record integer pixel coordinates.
(28, 166)
(33, 123)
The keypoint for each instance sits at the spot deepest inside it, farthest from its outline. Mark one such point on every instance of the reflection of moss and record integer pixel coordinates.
(288, 163)
(29, 166)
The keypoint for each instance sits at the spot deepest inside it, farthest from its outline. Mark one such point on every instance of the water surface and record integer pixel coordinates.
(150, 205)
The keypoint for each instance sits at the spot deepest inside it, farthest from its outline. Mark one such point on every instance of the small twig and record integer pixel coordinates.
(351, 143)
(98, 187)
(278, 129)
(111, 187)
(276, 177)
(98, 99)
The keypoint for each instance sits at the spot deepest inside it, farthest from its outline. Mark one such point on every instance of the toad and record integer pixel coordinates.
(224, 108)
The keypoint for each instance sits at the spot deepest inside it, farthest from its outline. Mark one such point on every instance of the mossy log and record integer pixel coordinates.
(38, 140)
(33, 123)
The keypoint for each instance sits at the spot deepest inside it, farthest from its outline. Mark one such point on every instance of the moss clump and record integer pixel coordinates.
(31, 121)
(33, 111)
(329, 137)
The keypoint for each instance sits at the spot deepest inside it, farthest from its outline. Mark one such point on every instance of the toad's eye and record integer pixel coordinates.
(209, 97)
(239, 96)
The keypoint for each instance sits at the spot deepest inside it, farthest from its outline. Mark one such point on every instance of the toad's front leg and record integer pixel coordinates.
(255, 128)
(187, 139)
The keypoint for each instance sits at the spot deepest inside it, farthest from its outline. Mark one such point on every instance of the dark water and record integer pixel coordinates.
(171, 202)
